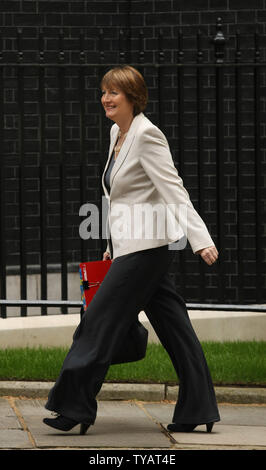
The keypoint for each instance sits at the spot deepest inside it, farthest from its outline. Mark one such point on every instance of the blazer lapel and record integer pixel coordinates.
(125, 147)
(111, 148)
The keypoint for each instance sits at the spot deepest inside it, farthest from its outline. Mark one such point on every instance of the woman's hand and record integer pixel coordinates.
(106, 255)
(209, 255)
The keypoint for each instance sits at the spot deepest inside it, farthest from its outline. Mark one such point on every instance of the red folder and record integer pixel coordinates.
(91, 276)
(135, 342)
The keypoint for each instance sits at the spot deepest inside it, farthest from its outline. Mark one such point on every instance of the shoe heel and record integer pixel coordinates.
(209, 427)
(83, 429)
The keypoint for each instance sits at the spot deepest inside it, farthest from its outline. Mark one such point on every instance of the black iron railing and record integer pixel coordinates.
(179, 88)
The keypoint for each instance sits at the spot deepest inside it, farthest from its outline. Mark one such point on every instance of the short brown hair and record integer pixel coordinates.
(130, 81)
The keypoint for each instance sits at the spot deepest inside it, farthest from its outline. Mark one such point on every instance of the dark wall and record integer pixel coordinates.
(190, 14)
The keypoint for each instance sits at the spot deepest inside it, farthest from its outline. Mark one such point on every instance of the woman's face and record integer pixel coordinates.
(116, 104)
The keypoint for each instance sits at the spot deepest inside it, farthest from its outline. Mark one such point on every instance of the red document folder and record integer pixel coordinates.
(135, 342)
(91, 275)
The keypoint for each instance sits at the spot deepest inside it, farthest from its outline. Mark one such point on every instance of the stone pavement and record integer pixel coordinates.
(130, 424)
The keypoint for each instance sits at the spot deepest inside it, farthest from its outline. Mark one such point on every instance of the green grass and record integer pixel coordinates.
(229, 363)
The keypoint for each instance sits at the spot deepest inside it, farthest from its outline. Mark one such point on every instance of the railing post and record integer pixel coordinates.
(100, 73)
(63, 176)
(2, 192)
(239, 143)
(82, 130)
(43, 193)
(160, 80)
(121, 42)
(200, 144)
(22, 187)
(219, 45)
(181, 140)
(259, 183)
(141, 47)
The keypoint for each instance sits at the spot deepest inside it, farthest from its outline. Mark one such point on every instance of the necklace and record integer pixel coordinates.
(118, 147)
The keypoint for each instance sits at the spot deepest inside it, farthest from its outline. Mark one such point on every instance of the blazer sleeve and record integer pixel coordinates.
(157, 162)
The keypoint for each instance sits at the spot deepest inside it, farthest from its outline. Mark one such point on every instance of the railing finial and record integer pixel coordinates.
(219, 42)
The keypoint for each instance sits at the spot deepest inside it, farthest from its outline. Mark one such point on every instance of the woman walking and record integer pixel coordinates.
(139, 179)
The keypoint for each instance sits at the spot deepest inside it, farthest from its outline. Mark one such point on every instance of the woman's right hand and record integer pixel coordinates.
(209, 255)
(106, 255)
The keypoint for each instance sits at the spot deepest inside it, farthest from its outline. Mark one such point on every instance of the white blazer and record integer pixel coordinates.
(148, 205)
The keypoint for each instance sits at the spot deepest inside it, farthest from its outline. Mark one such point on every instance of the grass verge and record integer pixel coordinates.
(229, 363)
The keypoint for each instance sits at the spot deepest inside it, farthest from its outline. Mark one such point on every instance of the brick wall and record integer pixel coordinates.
(167, 18)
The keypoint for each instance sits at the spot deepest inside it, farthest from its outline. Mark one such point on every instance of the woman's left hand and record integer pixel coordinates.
(209, 255)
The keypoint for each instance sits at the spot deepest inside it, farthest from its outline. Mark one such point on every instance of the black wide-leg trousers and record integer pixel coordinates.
(137, 281)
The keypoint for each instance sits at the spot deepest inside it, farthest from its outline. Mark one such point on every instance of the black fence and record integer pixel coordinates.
(208, 98)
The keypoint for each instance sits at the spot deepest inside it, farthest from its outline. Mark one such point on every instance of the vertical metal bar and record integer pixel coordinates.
(141, 53)
(200, 134)
(43, 194)
(121, 42)
(2, 190)
(63, 176)
(219, 42)
(100, 70)
(128, 31)
(82, 165)
(260, 213)
(127, 46)
(160, 81)
(124, 46)
(238, 125)
(181, 140)
(22, 180)
(181, 109)
(141, 47)
(101, 46)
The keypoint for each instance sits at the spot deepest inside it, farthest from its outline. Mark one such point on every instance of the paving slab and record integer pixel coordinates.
(9, 418)
(224, 435)
(243, 415)
(118, 425)
(130, 425)
(12, 435)
(240, 426)
(14, 439)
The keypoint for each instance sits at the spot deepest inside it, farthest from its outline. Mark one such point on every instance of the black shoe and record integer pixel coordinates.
(176, 427)
(65, 424)
(83, 428)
